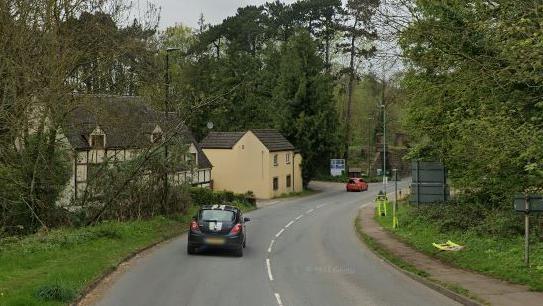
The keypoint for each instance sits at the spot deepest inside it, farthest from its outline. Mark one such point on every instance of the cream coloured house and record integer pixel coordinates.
(118, 128)
(261, 161)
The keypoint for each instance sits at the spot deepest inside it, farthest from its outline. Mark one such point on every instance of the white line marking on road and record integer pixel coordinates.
(271, 245)
(309, 211)
(322, 205)
(280, 232)
(278, 298)
(299, 217)
(270, 276)
(289, 224)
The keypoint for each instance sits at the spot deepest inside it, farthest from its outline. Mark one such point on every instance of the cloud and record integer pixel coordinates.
(188, 12)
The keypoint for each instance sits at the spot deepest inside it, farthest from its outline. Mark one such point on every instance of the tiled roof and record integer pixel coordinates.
(127, 122)
(221, 140)
(273, 140)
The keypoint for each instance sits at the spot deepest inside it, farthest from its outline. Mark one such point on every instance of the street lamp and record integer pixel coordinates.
(166, 111)
(370, 118)
(395, 205)
(382, 106)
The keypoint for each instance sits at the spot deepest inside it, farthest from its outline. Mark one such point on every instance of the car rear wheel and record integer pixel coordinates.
(191, 250)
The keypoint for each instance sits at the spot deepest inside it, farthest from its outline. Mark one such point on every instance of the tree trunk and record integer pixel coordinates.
(350, 98)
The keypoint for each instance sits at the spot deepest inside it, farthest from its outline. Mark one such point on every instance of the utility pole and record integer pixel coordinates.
(526, 230)
(395, 205)
(384, 148)
(369, 146)
(384, 138)
(166, 113)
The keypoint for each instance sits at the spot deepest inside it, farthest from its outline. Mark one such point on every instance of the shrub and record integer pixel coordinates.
(469, 215)
(205, 196)
(55, 292)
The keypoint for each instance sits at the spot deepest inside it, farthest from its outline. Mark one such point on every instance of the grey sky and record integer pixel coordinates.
(187, 12)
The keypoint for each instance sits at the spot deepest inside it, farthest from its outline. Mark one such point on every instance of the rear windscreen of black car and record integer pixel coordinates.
(217, 215)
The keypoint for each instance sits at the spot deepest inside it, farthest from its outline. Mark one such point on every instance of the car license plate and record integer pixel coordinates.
(215, 241)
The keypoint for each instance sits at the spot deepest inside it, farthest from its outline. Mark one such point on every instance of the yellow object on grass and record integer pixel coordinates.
(448, 246)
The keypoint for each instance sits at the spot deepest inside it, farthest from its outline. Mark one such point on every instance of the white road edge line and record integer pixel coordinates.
(289, 224)
(271, 245)
(279, 233)
(299, 217)
(309, 211)
(270, 276)
(278, 298)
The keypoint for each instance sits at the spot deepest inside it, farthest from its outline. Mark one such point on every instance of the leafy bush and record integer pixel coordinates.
(463, 215)
(55, 292)
(31, 180)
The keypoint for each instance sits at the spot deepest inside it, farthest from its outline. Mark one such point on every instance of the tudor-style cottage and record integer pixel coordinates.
(261, 161)
(118, 128)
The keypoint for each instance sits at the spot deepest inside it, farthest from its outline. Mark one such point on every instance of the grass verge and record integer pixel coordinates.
(382, 252)
(409, 268)
(499, 257)
(54, 268)
(303, 193)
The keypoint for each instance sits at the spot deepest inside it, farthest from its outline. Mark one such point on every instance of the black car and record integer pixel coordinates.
(217, 226)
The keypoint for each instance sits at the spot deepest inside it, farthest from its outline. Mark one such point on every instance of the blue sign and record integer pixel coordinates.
(337, 167)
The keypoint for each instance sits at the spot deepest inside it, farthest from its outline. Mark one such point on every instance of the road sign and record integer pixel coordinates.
(429, 182)
(535, 203)
(527, 203)
(337, 167)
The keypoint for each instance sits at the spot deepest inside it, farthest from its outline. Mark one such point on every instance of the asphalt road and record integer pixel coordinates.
(315, 259)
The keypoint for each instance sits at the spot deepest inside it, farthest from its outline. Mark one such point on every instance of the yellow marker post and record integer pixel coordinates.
(381, 202)
(395, 205)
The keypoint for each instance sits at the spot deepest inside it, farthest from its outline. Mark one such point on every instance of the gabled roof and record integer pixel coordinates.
(270, 138)
(221, 140)
(273, 140)
(127, 122)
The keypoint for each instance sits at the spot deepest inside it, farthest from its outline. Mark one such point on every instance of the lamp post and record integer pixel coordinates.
(382, 106)
(395, 205)
(166, 111)
(369, 145)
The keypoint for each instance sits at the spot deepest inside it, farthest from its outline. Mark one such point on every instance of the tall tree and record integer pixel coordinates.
(304, 93)
(473, 92)
(359, 32)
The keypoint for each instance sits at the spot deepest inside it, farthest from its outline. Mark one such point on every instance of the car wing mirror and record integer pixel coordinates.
(246, 219)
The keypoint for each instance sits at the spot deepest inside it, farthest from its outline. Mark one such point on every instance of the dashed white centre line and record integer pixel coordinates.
(278, 298)
(271, 245)
(299, 217)
(309, 211)
(270, 276)
(279, 233)
(289, 224)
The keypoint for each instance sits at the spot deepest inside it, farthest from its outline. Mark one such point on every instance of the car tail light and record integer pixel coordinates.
(194, 226)
(236, 229)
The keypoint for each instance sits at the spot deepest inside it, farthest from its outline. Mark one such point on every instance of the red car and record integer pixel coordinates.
(357, 184)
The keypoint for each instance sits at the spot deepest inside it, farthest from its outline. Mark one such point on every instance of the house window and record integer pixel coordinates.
(275, 183)
(287, 158)
(288, 181)
(97, 141)
(275, 159)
